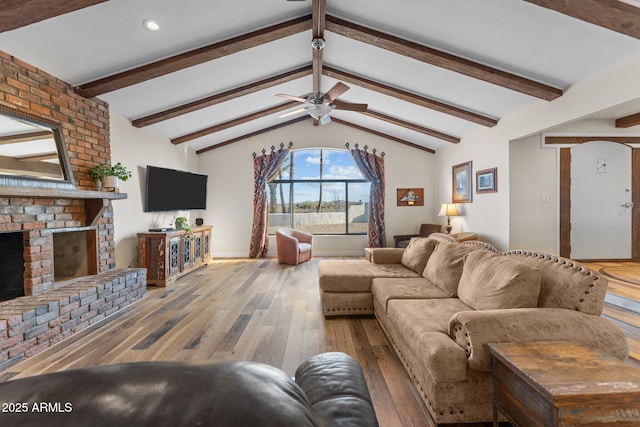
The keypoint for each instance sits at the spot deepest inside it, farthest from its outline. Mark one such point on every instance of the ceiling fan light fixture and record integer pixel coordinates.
(318, 111)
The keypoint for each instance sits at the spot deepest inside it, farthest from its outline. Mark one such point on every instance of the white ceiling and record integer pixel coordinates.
(510, 35)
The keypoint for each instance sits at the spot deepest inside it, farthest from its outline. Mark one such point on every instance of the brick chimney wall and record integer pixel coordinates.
(85, 128)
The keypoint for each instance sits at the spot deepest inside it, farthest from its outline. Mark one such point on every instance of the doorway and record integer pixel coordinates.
(599, 184)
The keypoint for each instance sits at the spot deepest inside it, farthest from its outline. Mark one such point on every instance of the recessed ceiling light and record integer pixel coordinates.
(151, 24)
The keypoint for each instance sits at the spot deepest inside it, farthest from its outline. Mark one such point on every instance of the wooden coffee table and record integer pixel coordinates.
(562, 383)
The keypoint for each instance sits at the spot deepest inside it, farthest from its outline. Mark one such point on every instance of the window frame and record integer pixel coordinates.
(346, 183)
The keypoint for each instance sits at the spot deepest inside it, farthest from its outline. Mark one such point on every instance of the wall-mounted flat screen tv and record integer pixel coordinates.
(174, 190)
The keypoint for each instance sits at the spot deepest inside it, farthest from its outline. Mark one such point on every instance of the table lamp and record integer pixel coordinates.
(448, 210)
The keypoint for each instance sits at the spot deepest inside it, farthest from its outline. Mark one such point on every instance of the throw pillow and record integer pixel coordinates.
(417, 253)
(491, 281)
(444, 266)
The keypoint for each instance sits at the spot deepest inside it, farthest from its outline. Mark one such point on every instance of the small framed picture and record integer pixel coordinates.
(461, 183)
(410, 197)
(487, 181)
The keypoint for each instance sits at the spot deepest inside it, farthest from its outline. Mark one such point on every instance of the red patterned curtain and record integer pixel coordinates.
(372, 168)
(265, 167)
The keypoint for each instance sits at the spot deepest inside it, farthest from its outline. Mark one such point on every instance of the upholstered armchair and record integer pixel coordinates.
(402, 241)
(293, 246)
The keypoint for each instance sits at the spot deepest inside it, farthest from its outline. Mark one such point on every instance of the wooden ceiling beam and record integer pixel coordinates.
(412, 126)
(383, 135)
(572, 140)
(222, 97)
(255, 133)
(194, 57)
(12, 165)
(614, 15)
(628, 121)
(409, 97)
(318, 13)
(441, 59)
(20, 13)
(38, 157)
(26, 137)
(235, 122)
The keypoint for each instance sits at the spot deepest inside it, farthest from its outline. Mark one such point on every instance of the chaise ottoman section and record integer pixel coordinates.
(345, 285)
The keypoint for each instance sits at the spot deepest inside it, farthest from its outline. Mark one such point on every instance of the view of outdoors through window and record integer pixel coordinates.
(320, 191)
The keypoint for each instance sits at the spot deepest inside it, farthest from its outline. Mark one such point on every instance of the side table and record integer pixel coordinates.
(563, 383)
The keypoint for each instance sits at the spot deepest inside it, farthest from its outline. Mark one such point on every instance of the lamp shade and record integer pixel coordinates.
(448, 209)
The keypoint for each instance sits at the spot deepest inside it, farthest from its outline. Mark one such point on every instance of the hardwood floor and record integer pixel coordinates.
(256, 310)
(628, 320)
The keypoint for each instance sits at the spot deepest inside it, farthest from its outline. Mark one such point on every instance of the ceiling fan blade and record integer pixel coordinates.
(337, 90)
(341, 105)
(294, 98)
(291, 113)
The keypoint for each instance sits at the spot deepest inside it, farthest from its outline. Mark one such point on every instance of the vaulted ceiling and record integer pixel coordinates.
(431, 71)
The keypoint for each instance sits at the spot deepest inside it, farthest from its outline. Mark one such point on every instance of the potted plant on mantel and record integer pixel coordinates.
(107, 176)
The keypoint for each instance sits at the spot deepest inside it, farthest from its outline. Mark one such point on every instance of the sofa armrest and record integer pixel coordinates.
(337, 390)
(472, 330)
(386, 255)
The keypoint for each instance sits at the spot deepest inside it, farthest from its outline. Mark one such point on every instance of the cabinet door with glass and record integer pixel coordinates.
(173, 249)
(198, 246)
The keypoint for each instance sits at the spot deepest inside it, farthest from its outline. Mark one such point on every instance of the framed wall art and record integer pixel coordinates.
(410, 197)
(461, 183)
(487, 181)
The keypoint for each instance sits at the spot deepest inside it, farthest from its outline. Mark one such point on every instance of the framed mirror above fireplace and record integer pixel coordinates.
(32, 152)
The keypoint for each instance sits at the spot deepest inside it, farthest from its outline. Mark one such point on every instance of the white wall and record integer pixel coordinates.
(487, 214)
(230, 187)
(490, 214)
(534, 192)
(136, 148)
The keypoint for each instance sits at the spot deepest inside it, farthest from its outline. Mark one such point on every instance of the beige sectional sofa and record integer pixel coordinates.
(440, 301)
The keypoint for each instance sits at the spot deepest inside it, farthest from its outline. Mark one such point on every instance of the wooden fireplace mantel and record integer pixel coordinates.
(95, 201)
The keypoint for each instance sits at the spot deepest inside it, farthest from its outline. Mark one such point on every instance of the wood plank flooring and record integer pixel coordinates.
(255, 310)
(627, 320)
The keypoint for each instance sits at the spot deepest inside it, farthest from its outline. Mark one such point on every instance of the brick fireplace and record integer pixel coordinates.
(45, 227)
(38, 238)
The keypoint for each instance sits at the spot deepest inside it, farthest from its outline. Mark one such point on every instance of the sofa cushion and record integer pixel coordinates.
(424, 327)
(356, 275)
(416, 255)
(410, 316)
(444, 266)
(410, 288)
(491, 281)
(565, 283)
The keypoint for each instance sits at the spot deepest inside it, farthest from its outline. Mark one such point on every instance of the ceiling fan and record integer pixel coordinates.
(319, 105)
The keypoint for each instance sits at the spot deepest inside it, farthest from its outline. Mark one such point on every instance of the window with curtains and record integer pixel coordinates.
(320, 191)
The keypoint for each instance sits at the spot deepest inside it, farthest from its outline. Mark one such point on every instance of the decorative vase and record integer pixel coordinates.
(110, 182)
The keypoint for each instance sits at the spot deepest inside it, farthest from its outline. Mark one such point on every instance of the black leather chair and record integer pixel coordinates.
(402, 241)
(329, 390)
